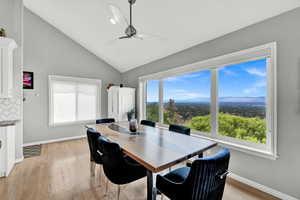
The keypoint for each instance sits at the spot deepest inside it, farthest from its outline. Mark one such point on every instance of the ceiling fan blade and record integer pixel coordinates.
(124, 37)
(111, 42)
(117, 15)
(138, 37)
(149, 36)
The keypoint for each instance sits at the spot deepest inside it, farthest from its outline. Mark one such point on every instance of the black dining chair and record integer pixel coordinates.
(95, 155)
(148, 123)
(95, 152)
(180, 129)
(204, 180)
(105, 120)
(119, 168)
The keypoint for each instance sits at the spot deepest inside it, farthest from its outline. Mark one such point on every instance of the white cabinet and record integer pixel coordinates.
(7, 47)
(120, 101)
(7, 150)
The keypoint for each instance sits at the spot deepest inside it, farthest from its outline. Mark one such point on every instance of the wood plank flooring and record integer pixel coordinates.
(62, 173)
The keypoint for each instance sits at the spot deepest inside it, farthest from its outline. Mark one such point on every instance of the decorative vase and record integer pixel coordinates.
(133, 125)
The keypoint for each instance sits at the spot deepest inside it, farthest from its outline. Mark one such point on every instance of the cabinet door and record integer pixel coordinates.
(7, 151)
(2, 152)
(113, 103)
(109, 103)
(6, 73)
(10, 74)
(10, 148)
(127, 102)
(2, 72)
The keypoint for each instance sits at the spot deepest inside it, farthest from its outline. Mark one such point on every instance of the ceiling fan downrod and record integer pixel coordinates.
(130, 30)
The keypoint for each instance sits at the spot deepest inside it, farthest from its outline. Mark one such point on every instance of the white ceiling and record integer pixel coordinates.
(182, 23)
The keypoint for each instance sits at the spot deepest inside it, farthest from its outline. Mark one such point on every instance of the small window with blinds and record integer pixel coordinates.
(73, 100)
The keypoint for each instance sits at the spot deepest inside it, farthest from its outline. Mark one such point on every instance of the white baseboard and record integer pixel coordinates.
(261, 187)
(54, 140)
(19, 159)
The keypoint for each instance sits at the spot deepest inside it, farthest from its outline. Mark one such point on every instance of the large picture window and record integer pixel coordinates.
(187, 100)
(230, 99)
(73, 100)
(242, 101)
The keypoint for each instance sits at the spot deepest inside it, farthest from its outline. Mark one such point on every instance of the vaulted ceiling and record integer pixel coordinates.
(181, 24)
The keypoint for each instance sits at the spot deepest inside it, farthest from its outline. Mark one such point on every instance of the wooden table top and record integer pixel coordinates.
(156, 148)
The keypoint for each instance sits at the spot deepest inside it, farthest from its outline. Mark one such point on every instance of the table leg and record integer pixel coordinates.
(151, 190)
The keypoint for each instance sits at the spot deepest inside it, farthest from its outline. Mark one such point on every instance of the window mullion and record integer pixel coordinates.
(144, 106)
(161, 101)
(142, 100)
(269, 122)
(214, 103)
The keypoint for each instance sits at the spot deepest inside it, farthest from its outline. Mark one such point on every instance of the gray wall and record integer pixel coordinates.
(47, 51)
(10, 109)
(282, 174)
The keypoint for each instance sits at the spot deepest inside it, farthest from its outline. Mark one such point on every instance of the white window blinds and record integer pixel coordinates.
(73, 99)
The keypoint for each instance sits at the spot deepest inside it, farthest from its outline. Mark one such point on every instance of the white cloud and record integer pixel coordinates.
(260, 83)
(254, 89)
(250, 90)
(183, 77)
(194, 75)
(256, 72)
(228, 72)
(181, 94)
(173, 79)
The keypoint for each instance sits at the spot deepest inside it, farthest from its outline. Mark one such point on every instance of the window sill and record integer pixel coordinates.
(53, 125)
(231, 145)
(234, 146)
(242, 148)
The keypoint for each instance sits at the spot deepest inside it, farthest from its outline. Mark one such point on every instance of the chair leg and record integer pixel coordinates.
(106, 186)
(100, 172)
(92, 168)
(119, 191)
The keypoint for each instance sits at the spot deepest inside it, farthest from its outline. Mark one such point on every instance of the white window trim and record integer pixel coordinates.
(77, 80)
(269, 50)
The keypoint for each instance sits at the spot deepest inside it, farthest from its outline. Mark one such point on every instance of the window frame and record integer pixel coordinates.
(77, 80)
(269, 51)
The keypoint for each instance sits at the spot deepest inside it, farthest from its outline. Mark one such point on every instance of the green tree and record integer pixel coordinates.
(171, 115)
(200, 123)
(152, 112)
(251, 129)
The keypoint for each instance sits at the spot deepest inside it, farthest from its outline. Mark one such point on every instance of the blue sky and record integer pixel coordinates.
(240, 80)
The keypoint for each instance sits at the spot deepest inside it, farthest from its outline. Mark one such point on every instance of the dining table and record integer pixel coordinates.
(155, 148)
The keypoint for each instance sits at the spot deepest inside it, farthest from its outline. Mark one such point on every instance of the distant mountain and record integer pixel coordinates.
(226, 100)
(195, 100)
(243, 99)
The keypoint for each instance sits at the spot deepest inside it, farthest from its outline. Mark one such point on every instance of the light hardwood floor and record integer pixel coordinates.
(62, 173)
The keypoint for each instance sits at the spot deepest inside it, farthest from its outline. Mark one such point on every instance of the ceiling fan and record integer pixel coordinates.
(130, 31)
